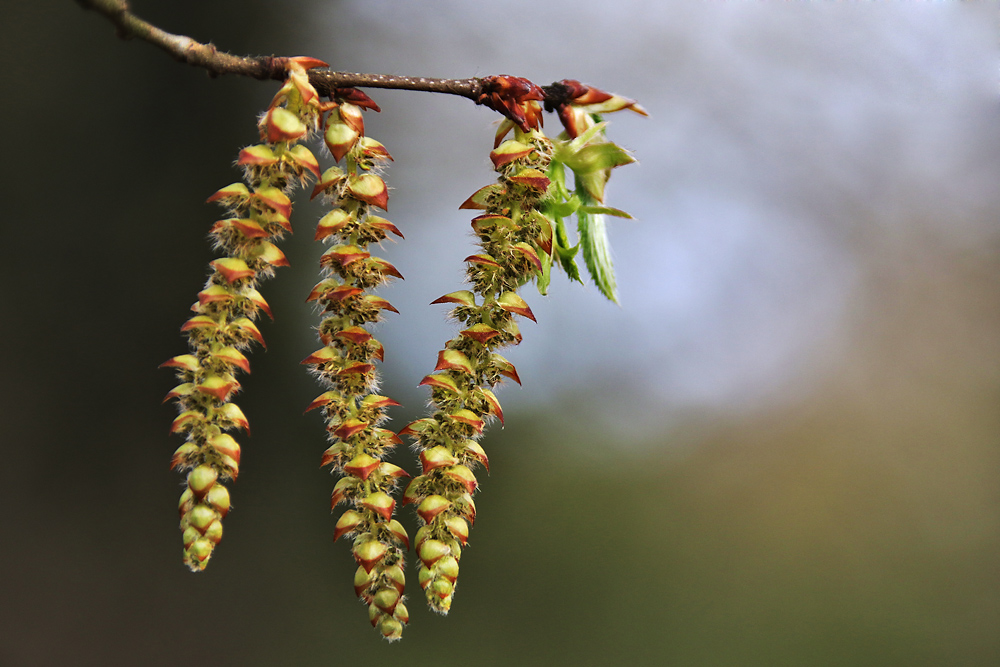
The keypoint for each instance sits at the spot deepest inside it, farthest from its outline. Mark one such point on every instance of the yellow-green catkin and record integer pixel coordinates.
(346, 364)
(223, 325)
(511, 231)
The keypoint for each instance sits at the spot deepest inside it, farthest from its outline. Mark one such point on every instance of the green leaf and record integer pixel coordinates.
(595, 245)
(567, 147)
(566, 208)
(606, 210)
(598, 157)
(590, 187)
(565, 253)
(545, 278)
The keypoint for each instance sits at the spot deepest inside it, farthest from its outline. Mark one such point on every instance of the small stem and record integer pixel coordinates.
(326, 81)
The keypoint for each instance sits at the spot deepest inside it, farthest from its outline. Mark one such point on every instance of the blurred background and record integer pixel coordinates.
(782, 448)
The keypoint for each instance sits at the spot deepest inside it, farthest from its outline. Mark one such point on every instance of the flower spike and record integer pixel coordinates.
(353, 413)
(222, 327)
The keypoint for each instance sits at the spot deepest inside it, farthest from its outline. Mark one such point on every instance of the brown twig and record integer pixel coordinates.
(217, 62)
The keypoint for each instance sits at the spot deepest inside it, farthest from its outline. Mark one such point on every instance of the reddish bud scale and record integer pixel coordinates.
(223, 327)
(347, 362)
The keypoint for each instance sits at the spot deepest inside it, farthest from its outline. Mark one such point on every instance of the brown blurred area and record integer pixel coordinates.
(851, 519)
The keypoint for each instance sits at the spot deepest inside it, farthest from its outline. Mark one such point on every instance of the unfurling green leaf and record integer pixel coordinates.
(596, 248)
(598, 157)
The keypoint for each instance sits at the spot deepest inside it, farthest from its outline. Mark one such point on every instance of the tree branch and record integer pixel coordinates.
(217, 62)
